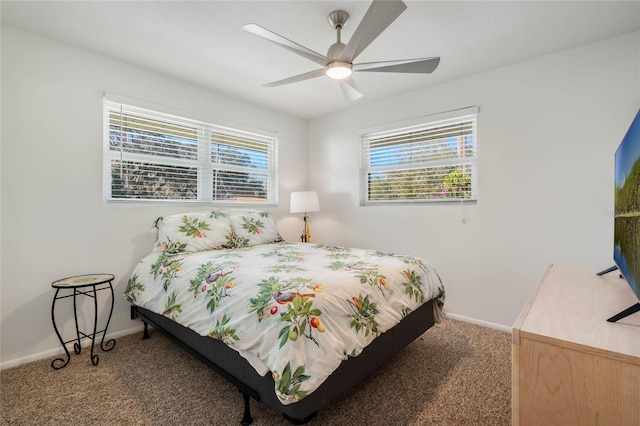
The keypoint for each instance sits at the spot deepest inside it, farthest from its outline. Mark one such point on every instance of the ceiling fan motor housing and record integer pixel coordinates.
(335, 50)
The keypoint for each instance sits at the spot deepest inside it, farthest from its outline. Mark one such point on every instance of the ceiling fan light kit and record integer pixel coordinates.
(338, 63)
(339, 70)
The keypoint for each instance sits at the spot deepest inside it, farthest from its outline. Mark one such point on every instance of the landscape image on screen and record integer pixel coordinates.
(627, 206)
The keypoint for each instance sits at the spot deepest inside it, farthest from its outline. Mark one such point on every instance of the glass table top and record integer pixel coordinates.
(83, 280)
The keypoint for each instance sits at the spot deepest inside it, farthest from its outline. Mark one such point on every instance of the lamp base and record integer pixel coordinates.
(306, 237)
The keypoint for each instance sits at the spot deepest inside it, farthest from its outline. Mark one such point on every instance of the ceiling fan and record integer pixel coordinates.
(338, 62)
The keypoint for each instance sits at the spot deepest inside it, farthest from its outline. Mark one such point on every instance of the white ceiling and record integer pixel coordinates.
(203, 41)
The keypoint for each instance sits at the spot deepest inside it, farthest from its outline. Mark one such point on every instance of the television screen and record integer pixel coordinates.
(626, 252)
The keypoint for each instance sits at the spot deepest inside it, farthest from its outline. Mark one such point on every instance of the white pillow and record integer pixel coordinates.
(253, 227)
(193, 232)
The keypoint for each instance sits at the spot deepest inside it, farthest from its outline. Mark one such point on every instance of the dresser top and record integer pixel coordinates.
(571, 306)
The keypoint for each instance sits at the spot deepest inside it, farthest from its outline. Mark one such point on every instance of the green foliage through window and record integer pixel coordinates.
(430, 161)
(155, 156)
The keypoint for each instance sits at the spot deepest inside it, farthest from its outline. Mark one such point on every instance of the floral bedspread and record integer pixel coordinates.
(293, 309)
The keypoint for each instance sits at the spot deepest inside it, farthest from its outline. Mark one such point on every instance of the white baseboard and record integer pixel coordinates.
(57, 351)
(85, 342)
(478, 322)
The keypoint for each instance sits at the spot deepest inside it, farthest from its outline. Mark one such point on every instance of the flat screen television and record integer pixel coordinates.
(626, 228)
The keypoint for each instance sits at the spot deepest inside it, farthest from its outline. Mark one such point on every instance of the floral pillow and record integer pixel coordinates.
(194, 232)
(253, 227)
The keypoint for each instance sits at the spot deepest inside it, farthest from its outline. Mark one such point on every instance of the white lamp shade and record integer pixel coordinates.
(304, 202)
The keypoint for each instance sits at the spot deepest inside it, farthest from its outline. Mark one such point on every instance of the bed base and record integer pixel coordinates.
(237, 370)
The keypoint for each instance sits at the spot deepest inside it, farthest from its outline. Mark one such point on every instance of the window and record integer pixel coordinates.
(430, 159)
(155, 156)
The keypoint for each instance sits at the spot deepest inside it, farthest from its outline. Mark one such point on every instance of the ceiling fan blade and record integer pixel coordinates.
(423, 66)
(296, 78)
(349, 89)
(286, 43)
(380, 15)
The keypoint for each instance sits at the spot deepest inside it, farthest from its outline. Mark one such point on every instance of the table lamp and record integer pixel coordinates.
(305, 202)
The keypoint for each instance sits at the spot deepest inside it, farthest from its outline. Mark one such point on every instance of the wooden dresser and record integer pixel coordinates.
(571, 366)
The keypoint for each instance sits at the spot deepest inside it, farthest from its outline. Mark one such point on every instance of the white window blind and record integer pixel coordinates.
(433, 159)
(150, 155)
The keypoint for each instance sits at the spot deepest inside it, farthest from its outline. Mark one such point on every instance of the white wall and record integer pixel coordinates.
(55, 222)
(548, 129)
(547, 132)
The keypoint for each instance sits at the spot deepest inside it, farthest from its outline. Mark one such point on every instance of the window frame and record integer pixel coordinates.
(204, 163)
(449, 118)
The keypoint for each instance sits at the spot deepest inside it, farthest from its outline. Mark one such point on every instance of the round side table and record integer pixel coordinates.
(87, 285)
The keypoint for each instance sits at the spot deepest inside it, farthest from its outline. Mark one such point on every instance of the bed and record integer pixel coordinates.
(294, 325)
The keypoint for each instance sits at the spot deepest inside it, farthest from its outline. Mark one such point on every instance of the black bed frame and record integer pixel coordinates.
(250, 384)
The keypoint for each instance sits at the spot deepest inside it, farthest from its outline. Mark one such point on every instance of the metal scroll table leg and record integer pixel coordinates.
(110, 343)
(94, 358)
(66, 351)
(76, 346)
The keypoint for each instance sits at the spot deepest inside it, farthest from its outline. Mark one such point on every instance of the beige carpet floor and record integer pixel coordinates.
(454, 374)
